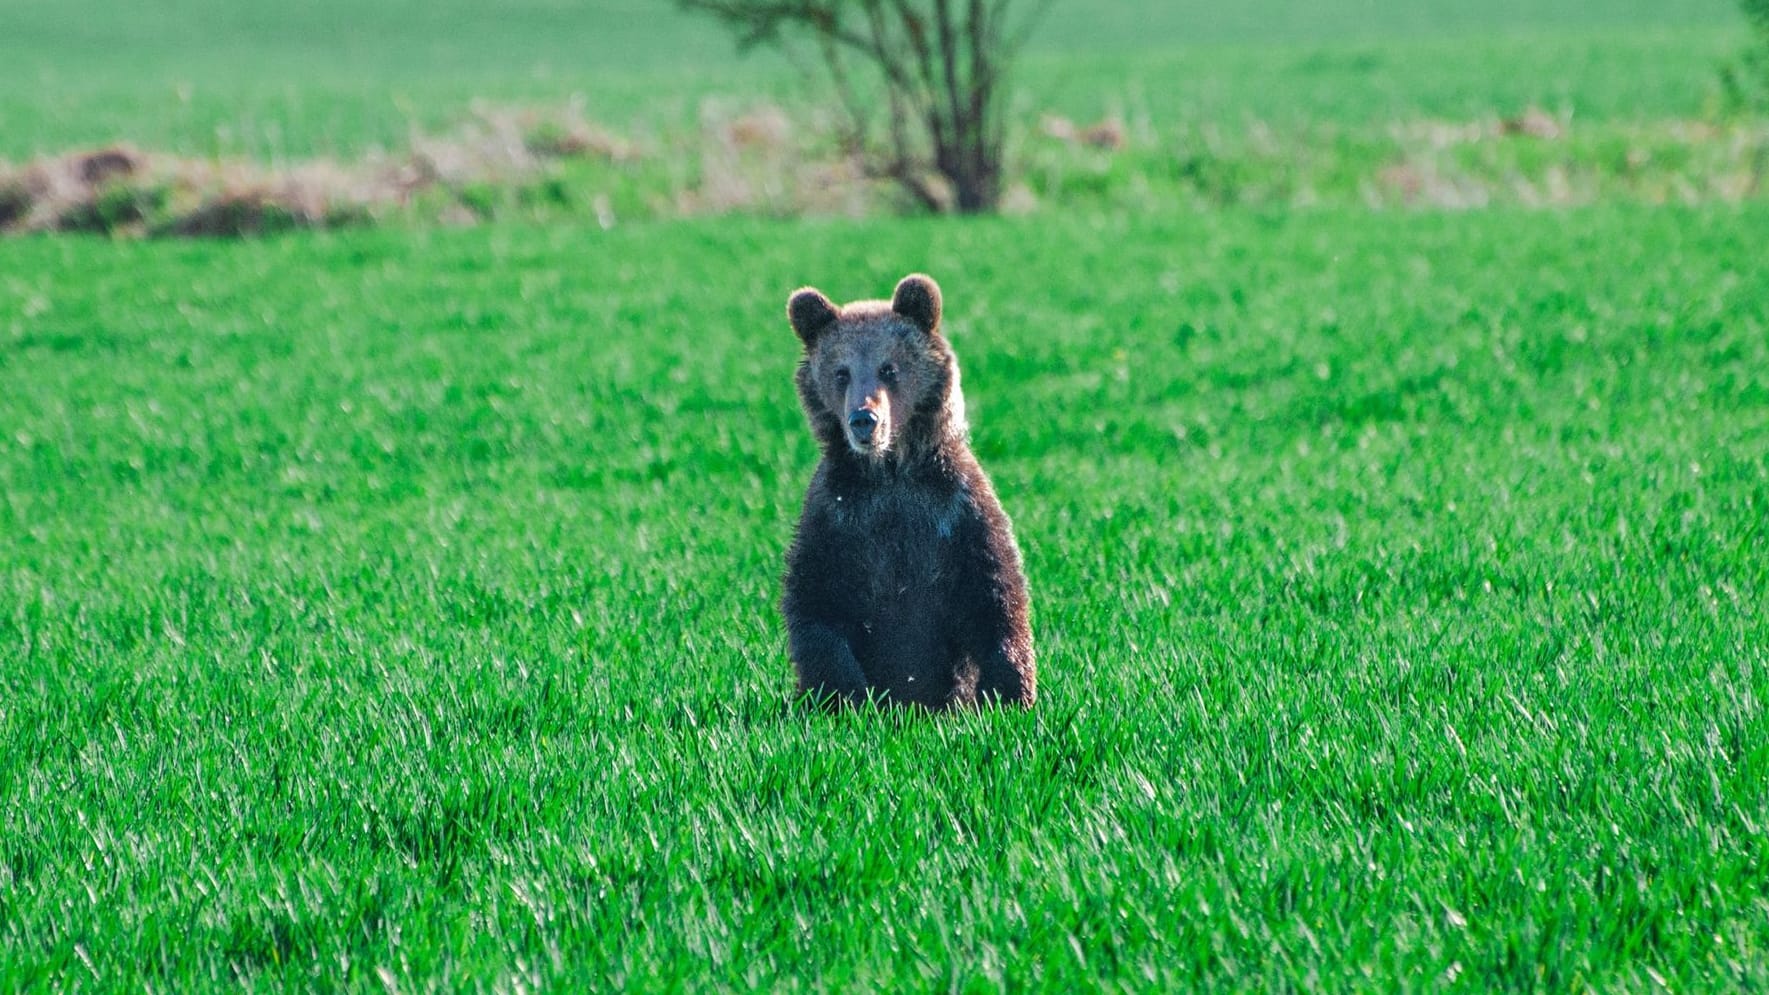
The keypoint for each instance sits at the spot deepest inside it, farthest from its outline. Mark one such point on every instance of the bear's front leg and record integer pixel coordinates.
(827, 670)
(1000, 642)
(1007, 672)
(995, 614)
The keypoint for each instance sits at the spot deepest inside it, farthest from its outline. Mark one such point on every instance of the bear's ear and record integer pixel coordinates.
(918, 299)
(810, 313)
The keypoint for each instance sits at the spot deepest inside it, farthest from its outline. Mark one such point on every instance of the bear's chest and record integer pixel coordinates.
(902, 546)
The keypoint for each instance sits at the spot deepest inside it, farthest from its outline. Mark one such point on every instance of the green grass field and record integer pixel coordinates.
(404, 602)
(394, 609)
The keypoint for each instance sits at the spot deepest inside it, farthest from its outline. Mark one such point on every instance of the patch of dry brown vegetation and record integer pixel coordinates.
(753, 159)
(1108, 134)
(122, 190)
(1470, 164)
(759, 158)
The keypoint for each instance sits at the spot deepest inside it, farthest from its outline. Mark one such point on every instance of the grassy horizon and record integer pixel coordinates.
(337, 79)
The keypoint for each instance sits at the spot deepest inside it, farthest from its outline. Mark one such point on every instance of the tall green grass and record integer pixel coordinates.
(397, 608)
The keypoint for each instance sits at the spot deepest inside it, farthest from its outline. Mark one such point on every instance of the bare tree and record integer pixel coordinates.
(941, 65)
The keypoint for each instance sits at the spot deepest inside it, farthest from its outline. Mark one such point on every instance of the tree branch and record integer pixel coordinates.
(941, 63)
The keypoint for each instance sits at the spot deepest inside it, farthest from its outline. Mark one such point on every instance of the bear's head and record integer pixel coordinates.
(878, 377)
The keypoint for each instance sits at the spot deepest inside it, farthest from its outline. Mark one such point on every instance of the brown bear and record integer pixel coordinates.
(903, 582)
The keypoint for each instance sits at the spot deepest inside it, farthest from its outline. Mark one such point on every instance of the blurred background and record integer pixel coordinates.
(326, 113)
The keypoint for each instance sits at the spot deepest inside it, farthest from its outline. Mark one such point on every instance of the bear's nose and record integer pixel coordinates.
(861, 423)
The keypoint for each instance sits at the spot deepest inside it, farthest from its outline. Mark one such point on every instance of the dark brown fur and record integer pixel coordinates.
(903, 581)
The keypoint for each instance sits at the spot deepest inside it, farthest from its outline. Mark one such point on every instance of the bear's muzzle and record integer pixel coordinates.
(861, 425)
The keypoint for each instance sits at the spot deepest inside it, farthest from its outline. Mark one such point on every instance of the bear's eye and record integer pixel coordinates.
(841, 377)
(888, 373)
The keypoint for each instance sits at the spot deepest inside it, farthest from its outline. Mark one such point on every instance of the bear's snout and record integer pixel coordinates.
(861, 425)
